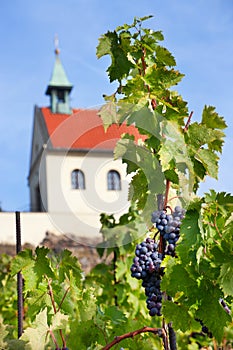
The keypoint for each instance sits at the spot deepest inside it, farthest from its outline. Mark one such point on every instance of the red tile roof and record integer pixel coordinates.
(83, 130)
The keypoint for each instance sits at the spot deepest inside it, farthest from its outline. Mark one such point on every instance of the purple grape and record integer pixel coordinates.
(168, 226)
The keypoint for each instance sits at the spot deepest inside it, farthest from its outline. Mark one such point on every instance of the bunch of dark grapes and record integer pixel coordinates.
(147, 259)
(169, 227)
(147, 267)
(154, 295)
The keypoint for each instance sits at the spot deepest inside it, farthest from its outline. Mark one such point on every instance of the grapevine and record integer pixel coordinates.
(176, 155)
(183, 262)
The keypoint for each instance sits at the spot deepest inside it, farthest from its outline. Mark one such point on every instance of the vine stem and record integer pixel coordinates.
(54, 338)
(188, 122)
(51, 294)
(168, 184)
(114, 275)
(55, 309)
(165, 337)
(63, 298)
(118, 339)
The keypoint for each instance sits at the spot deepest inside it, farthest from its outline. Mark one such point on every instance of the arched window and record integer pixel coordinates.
(114, 180)
(77, 179)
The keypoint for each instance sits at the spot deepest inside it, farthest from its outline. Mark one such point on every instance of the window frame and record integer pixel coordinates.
(113, 183)
(78, 181)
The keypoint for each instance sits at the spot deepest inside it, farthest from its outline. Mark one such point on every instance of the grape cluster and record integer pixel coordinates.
(147, 259)
(169, 227)
(154, 295)
(146, 266)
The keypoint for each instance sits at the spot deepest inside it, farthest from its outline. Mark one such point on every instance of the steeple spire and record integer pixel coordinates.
(59, 86)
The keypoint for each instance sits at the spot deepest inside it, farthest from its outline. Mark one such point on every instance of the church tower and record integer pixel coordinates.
(59, 88)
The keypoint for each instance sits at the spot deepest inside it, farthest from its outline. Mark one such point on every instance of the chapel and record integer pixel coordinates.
(73, 175)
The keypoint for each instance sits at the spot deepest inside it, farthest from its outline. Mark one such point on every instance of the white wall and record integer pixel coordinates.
(95, 198)
(35, 225)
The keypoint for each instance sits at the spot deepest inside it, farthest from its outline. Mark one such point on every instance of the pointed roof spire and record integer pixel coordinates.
(59, 87)
(59, 78)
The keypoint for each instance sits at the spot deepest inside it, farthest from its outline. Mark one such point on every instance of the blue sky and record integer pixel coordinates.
(198, 33)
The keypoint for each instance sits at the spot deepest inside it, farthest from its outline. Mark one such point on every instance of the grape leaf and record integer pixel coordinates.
(108, 114)
(59, 321)
(111, 43)
(3, 334)
(226, 277)
(42, 263)
(177, 279)
(105, 43)
(36, 336)
(162, 78)
(178, 314)
(210, 311)
(21, 261)
(14, 344)
(146, 121)
(211, 118)
(115, 315)
(164, 56)
(138, 190)
(190, 232)
(209, 161)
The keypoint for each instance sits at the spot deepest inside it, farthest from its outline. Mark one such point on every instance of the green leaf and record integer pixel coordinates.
(190, 232)
(14, 344)
(172, 176)
(121, 270)
(86, 335)
(173, 155)
(210, 311)
(36, 336)
(147, 121)
(110, 43)
(177, 279)
(178, 315)
(59, 321)
(21, 261)
(108, 114)
(69, 266)
(42, 263)
(115, 315)
(209, 161)
(211, 118)
(199, 135)
(105, 44)
(3, 334)
(138, 191)
(164, 56)
(226, 277)
(162, 78)
(136, 21)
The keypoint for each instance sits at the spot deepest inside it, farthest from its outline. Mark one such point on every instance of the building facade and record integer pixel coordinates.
(73, 176)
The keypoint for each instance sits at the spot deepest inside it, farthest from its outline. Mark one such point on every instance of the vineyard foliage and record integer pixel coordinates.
(63, 307)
